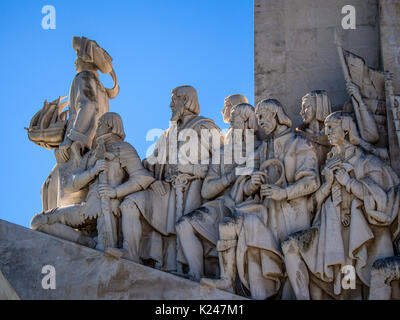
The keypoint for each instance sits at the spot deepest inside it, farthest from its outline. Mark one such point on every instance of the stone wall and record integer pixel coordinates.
(389, 19)
(295, 50)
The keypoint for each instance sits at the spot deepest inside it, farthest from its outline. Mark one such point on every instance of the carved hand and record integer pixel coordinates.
(185, 168)
(342, 177)
(158, 187)
(64, 151)
(329, 175)
(273, 192)
(100, 166)
(353, 90)
(256, 180)
(106, 191)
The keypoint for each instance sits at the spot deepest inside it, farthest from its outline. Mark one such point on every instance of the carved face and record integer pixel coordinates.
(226, 111)
(307, 111)
(177, 106)
(335, 132)
(266, 118)
(102, 128)
(78, 64)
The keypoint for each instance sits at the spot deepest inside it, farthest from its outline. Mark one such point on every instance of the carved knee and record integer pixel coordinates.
(129, 209)
(298, 241)
(183, 226)
(227, 230)
(387, 269)
(290, 246)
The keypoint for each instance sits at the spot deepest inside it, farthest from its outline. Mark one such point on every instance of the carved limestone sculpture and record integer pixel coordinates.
(354, 208)
(110, 172)
(198, 230)
(88, 100)
(251, 236)
(315, 107)
(149, 216)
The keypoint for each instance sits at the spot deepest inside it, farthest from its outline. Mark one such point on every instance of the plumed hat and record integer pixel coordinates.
(90, 52)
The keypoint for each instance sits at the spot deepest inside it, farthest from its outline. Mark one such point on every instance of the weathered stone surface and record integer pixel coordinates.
(295, 51)
(84, 273)
(7, 292)
(389, 13)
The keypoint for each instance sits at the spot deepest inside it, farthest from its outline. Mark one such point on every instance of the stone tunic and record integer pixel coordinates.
(264, 229)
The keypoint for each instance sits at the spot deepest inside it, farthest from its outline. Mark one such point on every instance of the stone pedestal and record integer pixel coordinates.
(83, 273)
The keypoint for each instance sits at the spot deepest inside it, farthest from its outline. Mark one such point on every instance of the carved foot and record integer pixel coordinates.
(115, 252)
(223, 284)
(86, 241)
(39, 220)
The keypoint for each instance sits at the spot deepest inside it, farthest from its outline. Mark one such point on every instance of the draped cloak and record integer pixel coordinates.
(267, 224)
(331, 245)
(160, 211)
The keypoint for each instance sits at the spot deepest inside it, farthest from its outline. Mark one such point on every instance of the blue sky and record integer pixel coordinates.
(156, 46)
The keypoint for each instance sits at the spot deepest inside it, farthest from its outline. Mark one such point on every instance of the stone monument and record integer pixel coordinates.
(275, 209)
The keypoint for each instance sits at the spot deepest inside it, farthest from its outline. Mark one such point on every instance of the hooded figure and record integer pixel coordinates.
(249, 238)
(315, 107)
(355, 208)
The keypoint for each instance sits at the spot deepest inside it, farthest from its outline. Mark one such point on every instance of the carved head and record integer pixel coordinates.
(340, 127)
(230, 102)
(315, 105)
(110, 122)
(269, 114)
(184, 101)
(243, 117)
(90, 56)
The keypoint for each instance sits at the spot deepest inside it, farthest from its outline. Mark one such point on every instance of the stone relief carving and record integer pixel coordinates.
(355, 207)
(198, 230)
(249, 238)
(266, 211)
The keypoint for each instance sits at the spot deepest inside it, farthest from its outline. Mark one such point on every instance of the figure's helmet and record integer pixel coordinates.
(90, 52)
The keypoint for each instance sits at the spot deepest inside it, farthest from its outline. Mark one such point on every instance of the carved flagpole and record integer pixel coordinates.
(109, 233)
(348, 79)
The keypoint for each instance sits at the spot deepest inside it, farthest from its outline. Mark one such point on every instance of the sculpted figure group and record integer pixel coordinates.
(265, 211)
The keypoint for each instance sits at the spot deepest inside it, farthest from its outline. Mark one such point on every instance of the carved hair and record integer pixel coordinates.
(114, 121)
(277, 108)
(236, 99)
(190, 95)
(90, 52)
(347, 123)
(246, 111)
(321, 103)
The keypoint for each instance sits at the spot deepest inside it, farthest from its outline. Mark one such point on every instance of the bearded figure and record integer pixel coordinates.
(249, 239)
(198, 230)
(355, 208)
(179, 164)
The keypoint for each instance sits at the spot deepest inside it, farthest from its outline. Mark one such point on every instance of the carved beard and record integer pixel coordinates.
(177, 113)
(269, 127)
